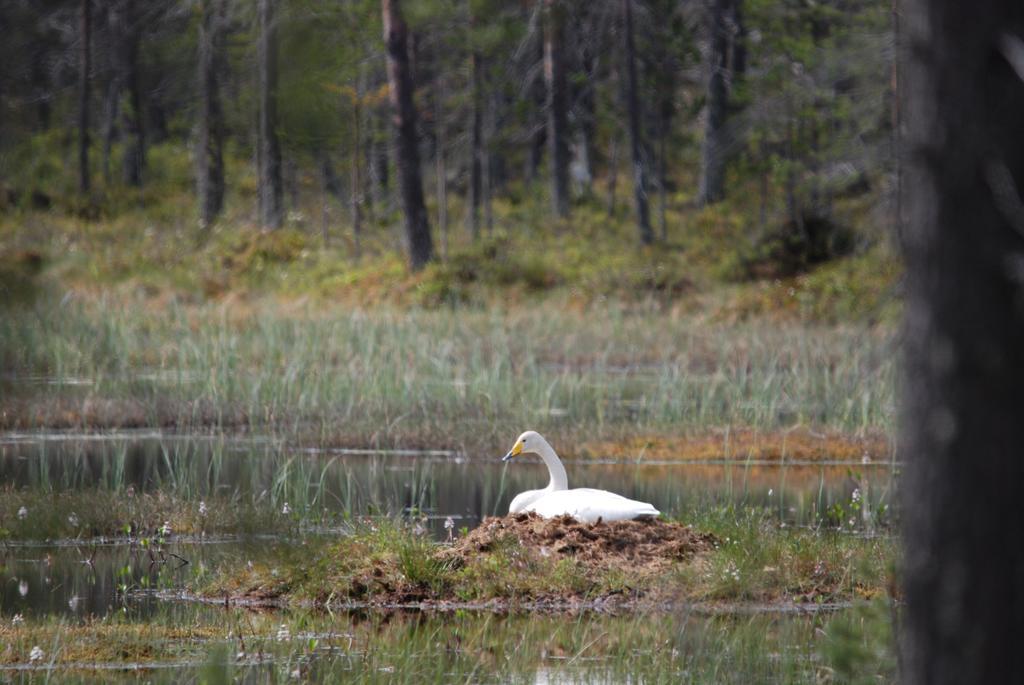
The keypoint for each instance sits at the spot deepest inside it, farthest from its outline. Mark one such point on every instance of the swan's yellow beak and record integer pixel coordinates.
(515, 451)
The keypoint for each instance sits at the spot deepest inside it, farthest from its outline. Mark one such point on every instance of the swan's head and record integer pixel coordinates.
(530, 441)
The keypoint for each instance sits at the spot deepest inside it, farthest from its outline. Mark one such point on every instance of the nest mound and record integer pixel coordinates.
(641, 544)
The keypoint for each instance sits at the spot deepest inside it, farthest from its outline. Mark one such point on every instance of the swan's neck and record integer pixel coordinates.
(559, 479)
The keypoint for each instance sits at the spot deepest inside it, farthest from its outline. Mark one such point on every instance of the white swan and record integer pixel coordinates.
(583, 504)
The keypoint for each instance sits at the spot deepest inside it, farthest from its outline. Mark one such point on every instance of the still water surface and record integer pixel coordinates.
(70, 580)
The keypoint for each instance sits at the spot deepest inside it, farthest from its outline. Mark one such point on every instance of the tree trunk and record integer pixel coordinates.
(587, 101)
(613, 174)
(85, 34)
(110, 124)
(356, 195)
(210, 129)
(487, 163)
(662, 181)
(134, 128)
(125, 94)
(476, 144)
(643, 221)
(712, 172)
(896, 123)
(739, 42)
(270, 184)
(963, 526)
(558, 118)
(400, 89)
(441, 170)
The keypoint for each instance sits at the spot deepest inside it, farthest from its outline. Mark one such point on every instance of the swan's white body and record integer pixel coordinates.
(583, 504)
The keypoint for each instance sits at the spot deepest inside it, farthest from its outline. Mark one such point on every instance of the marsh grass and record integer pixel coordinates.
(463, 379)
(754, 560)
(219, 646)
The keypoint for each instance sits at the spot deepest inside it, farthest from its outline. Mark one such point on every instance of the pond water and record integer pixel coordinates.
(437, 483)
(78, 581)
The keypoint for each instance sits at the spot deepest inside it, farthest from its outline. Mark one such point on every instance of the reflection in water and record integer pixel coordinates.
(219, 644)
(95, 580)
(436, 483)
(325, 486)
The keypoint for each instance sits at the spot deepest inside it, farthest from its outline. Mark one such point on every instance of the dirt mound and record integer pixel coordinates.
(644, 544)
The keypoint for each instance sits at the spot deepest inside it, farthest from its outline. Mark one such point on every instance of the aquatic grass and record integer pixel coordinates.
(757, 556)
(452, 378)
(378, 647)
(753, 560)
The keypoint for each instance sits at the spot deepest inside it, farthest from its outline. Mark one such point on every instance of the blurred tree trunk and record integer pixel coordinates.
(400, 91)
(557, 106)
(963, 524)
(270, 184)
(643, 221)
(210, 129)
(712, 172)
(84, 83)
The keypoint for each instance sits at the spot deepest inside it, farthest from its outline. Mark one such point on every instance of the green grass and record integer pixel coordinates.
(219, 646)
(754, 560)
(444, 378)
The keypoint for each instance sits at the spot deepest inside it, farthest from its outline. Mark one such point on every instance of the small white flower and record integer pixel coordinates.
(36, 654)
(202, 509)
(286, 509)
(855, 497)
(165, 530)
(73, 520)
(283, 634)
(17, 620)
(23, 588)
(22, 513)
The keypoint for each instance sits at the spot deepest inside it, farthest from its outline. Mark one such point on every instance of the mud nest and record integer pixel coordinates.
(637, 545)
